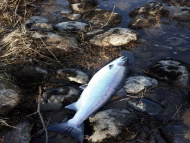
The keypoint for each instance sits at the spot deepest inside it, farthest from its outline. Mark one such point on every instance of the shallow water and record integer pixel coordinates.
(154, 44)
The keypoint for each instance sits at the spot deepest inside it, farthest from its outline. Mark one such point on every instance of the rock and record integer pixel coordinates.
(121, 92)
(51, 9)
(92, 2)
(128, 54)
(170, 71)
(178, 13)
(70, 74)
(30, 75)
(92, 33)
(154, 137)
(109, 123)
(152, 8)
(142, 21)
(9, 96)
(175, 41)
(71, 25)
(100, 17)
(115, 37)
(20, 134)
(176, 133)
(52, 99)
(82, 7)
(66, 12)
(184, 3)
(54, 137)
(57, 44)
(34, 20)
(146, 15)
(74, 16)
(42, 27)
(146, 106)
(136, 84)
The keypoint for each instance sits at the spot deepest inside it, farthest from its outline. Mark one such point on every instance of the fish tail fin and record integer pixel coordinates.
(77, 133)
(128, 55)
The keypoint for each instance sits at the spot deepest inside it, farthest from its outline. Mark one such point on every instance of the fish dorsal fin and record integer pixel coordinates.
(82, 87)
(72, 106)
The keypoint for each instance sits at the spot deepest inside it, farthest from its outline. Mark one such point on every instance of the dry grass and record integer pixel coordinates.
(18, 48)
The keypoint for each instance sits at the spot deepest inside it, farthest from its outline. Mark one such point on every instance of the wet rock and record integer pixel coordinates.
(146, 15)
(74, 16)
(70, 74)
(66, 12)
(175, 41)
(136, 84)
(109, 123)
(142, 21)
(115, 37)
(172, 99)
(54, 137)
(34, 20)
(146, 106)
(176, 133)
(152, 8)
(42, 27)
(57, 44)
(71, 25)
(92, 2)
(185, 3)
(52, 99)
(20, 134)
(51, 9)
(121, 92)
(82, 7)
(170, 71)
(178, 13)
(92, 33)
(125, 53)
(100, 17)
(154, 137)
(9, 96)
(30, 75)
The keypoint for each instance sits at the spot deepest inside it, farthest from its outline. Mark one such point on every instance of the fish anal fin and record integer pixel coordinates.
(72, 106)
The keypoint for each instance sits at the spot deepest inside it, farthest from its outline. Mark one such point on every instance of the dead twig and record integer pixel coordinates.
(40, 115)
(3, 122)
(109, 18)
(40, 131)
(177, 111)
(48, 49)
(38, 110)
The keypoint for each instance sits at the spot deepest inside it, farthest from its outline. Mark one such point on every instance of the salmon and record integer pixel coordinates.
(100, 89)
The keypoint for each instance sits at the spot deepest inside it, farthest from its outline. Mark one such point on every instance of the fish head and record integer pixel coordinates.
(121, 61)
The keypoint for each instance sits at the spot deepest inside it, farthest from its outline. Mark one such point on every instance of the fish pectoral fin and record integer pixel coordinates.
(77, 133)
(72, 106)
(82, 87)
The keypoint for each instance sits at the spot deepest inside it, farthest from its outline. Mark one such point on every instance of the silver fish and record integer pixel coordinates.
(103, 85)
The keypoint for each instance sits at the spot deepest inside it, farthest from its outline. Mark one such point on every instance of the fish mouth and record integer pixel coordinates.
(121, 60)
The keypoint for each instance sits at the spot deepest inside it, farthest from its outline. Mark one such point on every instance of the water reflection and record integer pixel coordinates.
(154, 41)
